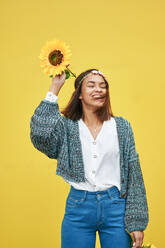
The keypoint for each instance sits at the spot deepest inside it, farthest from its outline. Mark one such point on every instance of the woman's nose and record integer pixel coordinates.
(97, 88)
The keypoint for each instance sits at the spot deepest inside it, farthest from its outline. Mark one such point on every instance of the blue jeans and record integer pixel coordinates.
(87, 212)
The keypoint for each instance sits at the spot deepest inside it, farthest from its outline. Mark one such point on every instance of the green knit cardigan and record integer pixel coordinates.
(58, 138)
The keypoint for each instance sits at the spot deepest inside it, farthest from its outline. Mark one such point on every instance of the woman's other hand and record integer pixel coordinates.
(138, 238)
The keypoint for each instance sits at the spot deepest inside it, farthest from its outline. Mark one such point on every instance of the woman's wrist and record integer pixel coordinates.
(54, 89)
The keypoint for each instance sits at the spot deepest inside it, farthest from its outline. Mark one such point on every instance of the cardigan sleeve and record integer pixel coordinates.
(136, 212)
(47, 128)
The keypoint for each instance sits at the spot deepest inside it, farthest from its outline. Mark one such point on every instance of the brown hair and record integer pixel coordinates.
(74, 109)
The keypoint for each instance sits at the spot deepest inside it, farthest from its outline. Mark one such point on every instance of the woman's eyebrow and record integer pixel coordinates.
(94, 82)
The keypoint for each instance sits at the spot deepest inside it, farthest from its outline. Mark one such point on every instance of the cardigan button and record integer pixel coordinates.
(94, 155)
(122, 180)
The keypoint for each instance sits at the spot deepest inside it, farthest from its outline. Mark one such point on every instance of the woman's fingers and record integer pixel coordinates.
(138, 239)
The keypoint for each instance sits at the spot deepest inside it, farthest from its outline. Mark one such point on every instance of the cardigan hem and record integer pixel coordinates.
(64, 176)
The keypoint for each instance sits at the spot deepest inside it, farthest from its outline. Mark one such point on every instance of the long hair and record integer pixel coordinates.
(74, 109)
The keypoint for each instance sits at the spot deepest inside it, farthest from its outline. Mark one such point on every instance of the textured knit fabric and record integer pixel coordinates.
(58, 138)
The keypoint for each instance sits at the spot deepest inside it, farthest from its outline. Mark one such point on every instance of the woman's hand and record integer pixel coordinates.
(138, 238)
(57, 83)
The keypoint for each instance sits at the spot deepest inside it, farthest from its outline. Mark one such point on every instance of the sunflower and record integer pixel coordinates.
(55, 58)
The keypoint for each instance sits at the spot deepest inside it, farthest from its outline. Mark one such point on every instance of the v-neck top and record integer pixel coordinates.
(101, 155)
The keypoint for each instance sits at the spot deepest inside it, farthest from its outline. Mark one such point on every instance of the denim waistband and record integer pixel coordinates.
(110, 191)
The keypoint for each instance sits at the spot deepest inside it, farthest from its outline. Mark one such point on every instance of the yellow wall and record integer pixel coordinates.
(125, 40)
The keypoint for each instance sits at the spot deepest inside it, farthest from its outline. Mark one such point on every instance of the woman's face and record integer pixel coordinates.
(93, 91)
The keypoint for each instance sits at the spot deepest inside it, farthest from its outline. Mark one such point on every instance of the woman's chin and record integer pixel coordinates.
(98, 104)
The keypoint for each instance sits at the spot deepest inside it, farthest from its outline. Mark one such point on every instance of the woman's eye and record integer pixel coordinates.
(102, 87)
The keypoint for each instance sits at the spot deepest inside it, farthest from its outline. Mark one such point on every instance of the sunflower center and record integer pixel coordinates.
(55, 57)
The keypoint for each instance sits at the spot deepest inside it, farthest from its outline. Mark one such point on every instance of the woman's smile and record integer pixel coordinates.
(98, 98)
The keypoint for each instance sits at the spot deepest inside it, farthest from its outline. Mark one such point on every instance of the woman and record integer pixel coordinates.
(96, 155)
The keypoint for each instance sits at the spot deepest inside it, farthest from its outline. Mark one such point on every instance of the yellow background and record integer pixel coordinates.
(125, 40)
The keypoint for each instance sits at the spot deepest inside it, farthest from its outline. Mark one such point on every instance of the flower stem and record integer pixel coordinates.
(71, 72)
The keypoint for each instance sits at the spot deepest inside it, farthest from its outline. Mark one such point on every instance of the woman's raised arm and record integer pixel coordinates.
(47, 125)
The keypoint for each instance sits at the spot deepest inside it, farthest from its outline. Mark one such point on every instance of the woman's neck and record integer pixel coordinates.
(90, 118)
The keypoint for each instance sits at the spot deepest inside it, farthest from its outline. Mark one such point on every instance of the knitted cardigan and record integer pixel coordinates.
(58, 138)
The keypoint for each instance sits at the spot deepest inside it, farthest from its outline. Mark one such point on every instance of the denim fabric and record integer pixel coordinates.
(87, 212)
